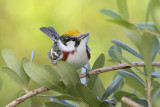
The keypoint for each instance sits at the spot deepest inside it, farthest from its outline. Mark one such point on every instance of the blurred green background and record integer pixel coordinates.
(20, 21)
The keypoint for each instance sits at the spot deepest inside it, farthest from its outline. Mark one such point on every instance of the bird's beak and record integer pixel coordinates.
(82, 36)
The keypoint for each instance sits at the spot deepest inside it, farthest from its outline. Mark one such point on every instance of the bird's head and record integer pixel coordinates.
(72, 37)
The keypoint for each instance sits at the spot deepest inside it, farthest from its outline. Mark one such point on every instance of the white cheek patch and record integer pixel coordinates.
(69, 47)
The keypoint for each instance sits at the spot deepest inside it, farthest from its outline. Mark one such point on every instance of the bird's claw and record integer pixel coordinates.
(87, 72)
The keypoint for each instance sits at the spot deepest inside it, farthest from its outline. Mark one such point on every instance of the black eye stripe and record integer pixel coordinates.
(66, 39)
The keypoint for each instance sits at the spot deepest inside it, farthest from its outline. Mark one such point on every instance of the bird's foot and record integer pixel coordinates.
(87, 72)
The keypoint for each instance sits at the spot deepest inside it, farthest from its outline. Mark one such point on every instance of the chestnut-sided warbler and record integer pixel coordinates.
(69, 47)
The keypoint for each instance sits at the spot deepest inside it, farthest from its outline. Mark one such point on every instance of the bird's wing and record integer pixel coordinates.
(50, 32)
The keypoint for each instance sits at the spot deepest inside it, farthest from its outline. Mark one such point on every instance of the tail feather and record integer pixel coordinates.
(50, 32)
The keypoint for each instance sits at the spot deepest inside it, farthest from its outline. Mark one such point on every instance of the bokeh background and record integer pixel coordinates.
(20, 21)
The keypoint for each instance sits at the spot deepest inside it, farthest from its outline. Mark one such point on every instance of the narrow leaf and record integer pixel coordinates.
(52, 70)
(116, 85)
(134, 36)
(11, 60)
(63, 102)
(104, 104)
(61, 97)
(155, 74)
(110, 13)
(155, 92)
(99, 62)
(146, 51)
(123, 9)
(123, 58)
(26, 103)
(1, 82)
(112, 54)
(66, 97)
(155, 8)
(24, 76)
(150, 26)
(118, 95)
(53, 104)
(127, 48)
(142, 102)
(133, 81)
(123, 23)
(12, 75)
(42, 76)
(156, 47)
(94, 82)
(87, 95)
(68, 73)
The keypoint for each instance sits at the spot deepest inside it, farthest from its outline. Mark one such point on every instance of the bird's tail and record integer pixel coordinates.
(50, 32)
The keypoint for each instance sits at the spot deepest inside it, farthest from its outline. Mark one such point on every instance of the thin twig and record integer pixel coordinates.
(93, 72)
(149, 92)
(26, 96)
(116, 67)
(130, 102)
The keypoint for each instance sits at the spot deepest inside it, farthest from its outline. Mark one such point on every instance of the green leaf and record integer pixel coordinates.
(155, 91)
(94, 82)
(68, 73)
(1, 82)
(71, 90)
(23, 75)
(156, 47)
(123, 23)
(112, 54)
(97, 88)
(116, 85)
(12, 75)
(61, 97)
(142, 102)
(42, 76)
(154, 9)
(119, 94)
(127, 48)
(134, 36)
(51, 69)
(123, 58)
(11, 60)
(146, 51)
(26, 103)
(66, 97)
(133, 81)
(87, 95)
(131, 71)
(53, 104)
(124, 105)
(63, 102)
(150, 26)
(104, 104)
(155, 74)
(123, 9)
(110, 13)
(148, 13)
(99, 62)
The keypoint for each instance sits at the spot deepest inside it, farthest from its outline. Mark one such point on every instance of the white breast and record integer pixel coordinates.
(79, 58)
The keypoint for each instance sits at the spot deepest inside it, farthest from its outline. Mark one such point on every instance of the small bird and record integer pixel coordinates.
(69, 47)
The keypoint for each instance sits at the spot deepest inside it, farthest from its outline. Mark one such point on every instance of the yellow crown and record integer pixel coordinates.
(71, 33)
